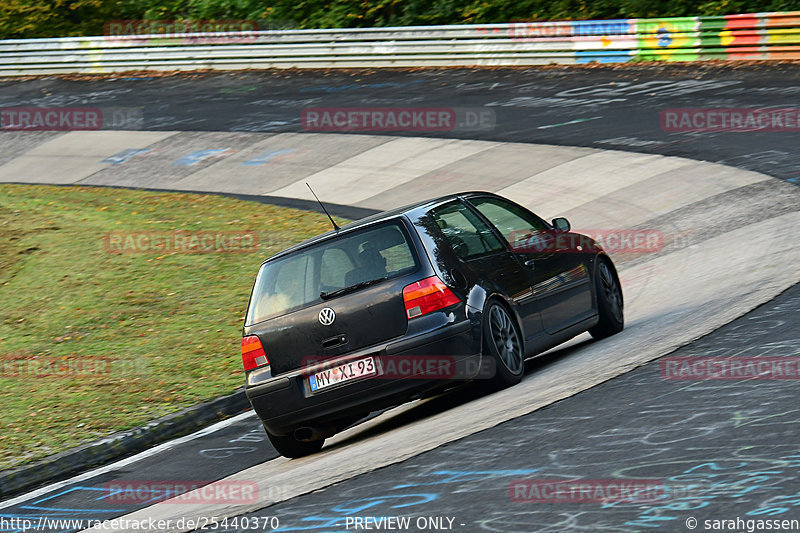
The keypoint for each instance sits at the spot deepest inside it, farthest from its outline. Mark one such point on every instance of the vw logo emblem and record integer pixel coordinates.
(327, 316)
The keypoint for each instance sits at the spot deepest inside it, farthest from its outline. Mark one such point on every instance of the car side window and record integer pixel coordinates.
(468, 235)
(517, 225)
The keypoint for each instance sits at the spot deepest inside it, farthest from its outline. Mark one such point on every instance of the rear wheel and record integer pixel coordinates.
(609, 301)
(503, 345)
(292, 448)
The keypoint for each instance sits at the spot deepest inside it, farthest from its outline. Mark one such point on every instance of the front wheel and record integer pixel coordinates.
(503, 345)
(609, 301)
(292, 448)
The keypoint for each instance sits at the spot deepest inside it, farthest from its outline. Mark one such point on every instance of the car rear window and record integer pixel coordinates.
(297, 280)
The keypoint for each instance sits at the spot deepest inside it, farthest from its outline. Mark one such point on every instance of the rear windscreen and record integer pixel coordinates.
(299, 279)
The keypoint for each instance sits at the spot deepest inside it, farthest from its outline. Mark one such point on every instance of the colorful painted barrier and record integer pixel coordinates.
(756, 36)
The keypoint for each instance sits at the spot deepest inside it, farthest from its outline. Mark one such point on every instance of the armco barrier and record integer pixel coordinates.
(772, 36)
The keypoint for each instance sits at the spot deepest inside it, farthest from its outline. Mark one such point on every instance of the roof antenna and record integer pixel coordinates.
(335, 227)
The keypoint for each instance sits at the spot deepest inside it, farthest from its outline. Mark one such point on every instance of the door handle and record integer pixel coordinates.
(334, 341)
(530, 263)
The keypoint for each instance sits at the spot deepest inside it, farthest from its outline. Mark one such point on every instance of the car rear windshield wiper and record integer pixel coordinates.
(351, 288)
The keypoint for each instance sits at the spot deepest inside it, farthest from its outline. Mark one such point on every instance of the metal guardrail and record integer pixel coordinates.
(759, 36)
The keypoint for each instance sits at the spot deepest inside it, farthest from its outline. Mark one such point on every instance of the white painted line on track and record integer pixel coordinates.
(128, 460)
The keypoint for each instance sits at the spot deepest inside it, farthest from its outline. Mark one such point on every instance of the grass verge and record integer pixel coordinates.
(94, 341)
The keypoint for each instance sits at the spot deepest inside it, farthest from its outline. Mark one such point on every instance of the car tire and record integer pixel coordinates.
(292, 448)
(610, 306)
(503, 347)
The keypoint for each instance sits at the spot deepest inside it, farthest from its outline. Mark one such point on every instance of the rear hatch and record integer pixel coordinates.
(334, 297)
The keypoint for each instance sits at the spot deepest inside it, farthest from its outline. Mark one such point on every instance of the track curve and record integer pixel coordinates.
(728, 239)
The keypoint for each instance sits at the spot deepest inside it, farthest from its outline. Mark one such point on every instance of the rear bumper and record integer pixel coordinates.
(286, 402)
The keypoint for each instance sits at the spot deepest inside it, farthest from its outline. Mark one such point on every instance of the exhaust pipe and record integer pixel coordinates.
(312, 433)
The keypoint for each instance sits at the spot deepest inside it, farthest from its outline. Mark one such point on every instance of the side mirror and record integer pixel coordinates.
(561, 224)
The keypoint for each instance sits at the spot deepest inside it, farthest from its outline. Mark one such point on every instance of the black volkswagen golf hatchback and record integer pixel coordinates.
(412, 301)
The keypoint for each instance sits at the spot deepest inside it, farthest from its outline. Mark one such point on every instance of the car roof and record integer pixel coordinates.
(423, 205)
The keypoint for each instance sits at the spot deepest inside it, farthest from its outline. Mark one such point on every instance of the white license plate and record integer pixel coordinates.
(339, 374)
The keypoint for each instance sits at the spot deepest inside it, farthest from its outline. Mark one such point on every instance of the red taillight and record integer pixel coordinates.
(429, 294)
(253, 354)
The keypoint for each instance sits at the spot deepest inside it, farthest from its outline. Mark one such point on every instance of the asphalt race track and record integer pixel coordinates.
(723, 449)
(718, 449)
(612, 108)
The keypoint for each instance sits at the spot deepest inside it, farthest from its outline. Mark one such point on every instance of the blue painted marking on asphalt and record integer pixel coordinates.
(60, 510)
(125, 155)
(456, 476)
(158, 495)
(366, 503)
(266, 157)
(35, 506)
(67, 491)
(70, 490)
(201, 155)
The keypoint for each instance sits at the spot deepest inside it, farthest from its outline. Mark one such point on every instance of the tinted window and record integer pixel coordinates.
(297, 280)
(335, 266)
(468, 235)
(398, 258)
(516, 224)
